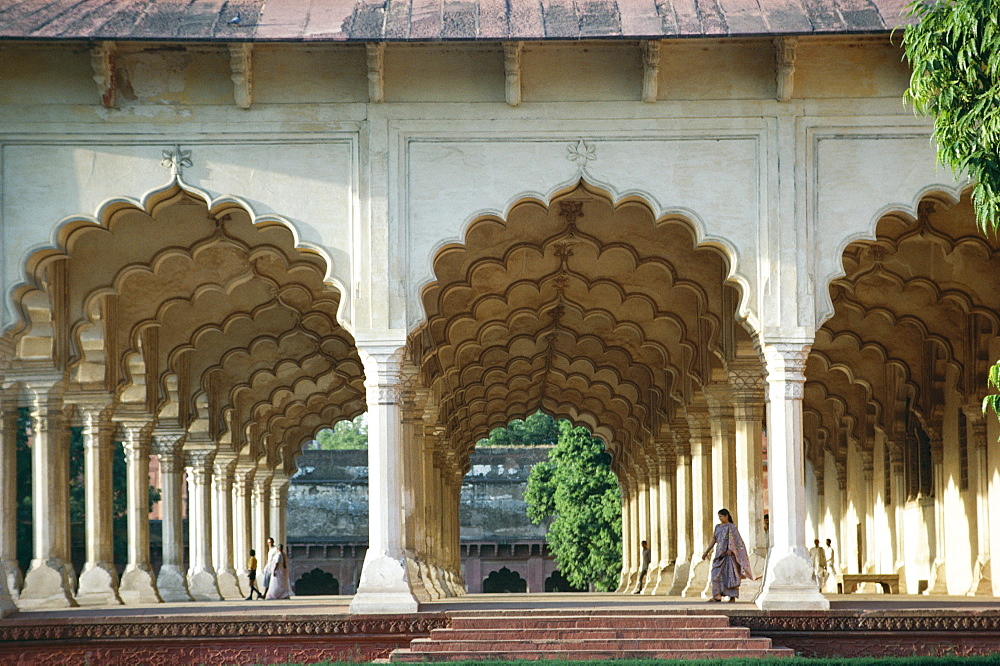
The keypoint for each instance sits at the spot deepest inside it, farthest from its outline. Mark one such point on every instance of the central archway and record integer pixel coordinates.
(597, 312)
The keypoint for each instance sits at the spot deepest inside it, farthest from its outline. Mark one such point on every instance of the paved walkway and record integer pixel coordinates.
(314, 606)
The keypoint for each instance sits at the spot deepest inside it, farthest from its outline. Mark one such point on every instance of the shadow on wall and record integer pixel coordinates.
(504, 580)
(316, 582)
(558, 583)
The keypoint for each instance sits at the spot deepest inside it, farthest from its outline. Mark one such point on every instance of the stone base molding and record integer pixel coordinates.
(681, 572)
(98, 585)
(384, 588)
(229, 584)
(172, 583)
(46, 586)
(11, 574)
(789, 585)
(699, 580)
(138, 586)
(203, 586)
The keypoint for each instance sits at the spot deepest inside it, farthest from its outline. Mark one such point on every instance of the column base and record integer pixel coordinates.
(172, 583)
(243, 581)
(681, 572)
(7, 605)
(12, 576)
(652, 578)
(982, 579)
(698, 580)
(414, 573)
(664, 580)
(938, 582)
(138, 585)
(427, 573)
(98, 585)
(749, 589)
(789, 585)
(384, 587)
(46, 586)
(229, 584)
(203, 585)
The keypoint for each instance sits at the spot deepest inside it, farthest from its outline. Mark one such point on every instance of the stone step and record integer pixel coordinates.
(593, 621)
(404, 655)
(589, 633)
(519, 644)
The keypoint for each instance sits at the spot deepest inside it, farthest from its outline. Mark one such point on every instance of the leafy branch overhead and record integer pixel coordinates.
(954, 51)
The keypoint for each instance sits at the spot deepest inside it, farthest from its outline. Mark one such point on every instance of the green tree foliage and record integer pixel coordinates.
(954, 51)
(576, 489)
(344, 435)
(539, 429)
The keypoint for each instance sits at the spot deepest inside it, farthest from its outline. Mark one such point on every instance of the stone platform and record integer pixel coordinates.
(312, 629)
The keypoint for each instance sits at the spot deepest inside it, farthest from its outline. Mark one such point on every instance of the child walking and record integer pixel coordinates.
(252, 575)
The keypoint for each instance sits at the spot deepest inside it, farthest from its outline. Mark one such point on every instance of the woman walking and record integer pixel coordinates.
(280, 587)
(731, 563)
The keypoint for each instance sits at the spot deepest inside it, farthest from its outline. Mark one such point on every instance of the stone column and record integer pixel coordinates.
(867, 495)
(431, 572)
(982, 584)
(938, 583)
(640, 531)
(702, 512)
(260, 508)
(138, 585)
(99, 580)
(242, 524)
(455, 527)
(748, 396)
(279, 509)
(668, 523)
(48, 583)
(655, 524)
(385, 586)
(685, 522)
(222, 527)
(898, 489)
(723, 425)
(788, 583)
(172, 579)
(10, 572)
(202, 584)
(628, 575)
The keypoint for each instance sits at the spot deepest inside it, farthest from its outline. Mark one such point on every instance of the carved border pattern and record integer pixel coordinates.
(397, 625)
(965, 621)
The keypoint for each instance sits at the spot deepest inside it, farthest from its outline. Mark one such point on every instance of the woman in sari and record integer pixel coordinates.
(731, 563)
(280, 587)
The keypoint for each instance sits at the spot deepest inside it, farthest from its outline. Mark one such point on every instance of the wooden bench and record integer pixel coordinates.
(847, 583)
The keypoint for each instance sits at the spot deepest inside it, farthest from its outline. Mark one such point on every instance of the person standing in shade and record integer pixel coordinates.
(272, 556)
(818, 556)
(644, 566)
(828, 551)
(731, 563)
(252, 575)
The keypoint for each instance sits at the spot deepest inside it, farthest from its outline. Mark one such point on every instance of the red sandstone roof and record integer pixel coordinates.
(426, 20)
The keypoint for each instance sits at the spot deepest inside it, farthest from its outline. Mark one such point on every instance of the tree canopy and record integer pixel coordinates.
(344, 435)
(954, 51)
(576, 490)
(539, 429)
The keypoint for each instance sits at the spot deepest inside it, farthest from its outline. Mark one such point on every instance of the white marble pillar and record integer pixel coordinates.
(201, 579)
(938, 583)
(385, 586)
(279, 509)
(702, 512)
(242, 524)
(867, 496)
(654, 523)
(898, 489)
(723, 425)
(685, 521)
(172, 578)
(99, 579)
(10, 572)
(748, 395)
(423, 510)
(222, 527)
(668, 522)
(137, 584)
(260, 508)
(640, 531)
(982, 584)
(48, 583)
(431, 572)
(788, 582)
(455, 542)
(629, 573)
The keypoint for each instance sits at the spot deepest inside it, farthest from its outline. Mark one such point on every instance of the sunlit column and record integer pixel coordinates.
(702, 511)
(748, 404)
(641, 532)
(172, 578)
(788, 582)
(222, 526)
(667, 518)
(99, 579)
(898, 488)
(260, 508)
(979, 485)
(867, 495)
(654, 522)
(279, 508)
(202, 582)
(385, 586)
(243, 524)
(48, 584)
(723, 425)
(938, 583)
(138, 585)
(10, 572)
(685, 521)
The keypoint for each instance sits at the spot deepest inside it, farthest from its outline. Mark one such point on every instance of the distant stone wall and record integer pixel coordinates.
(328, 517)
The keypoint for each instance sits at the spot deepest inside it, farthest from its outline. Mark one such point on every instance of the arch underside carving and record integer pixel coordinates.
(196, 319)
(591, 311)
(914, 316)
